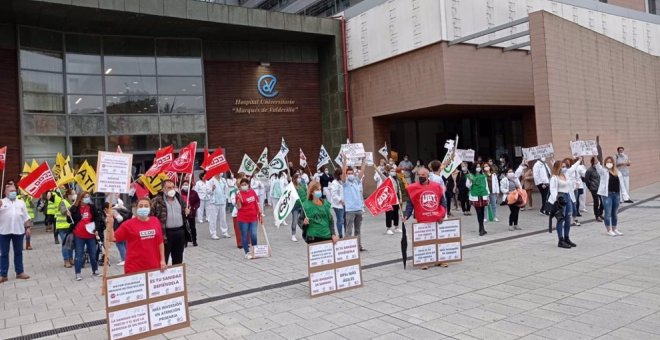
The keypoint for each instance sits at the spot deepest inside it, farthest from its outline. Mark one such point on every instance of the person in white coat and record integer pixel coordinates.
(541, 173)
(205, 195)
(509, 183)
(612, 186)
(337, 201)
(493, 188)
(218, 207)
(623, 165)
(561, 194)
(260, 189)
(277, 186)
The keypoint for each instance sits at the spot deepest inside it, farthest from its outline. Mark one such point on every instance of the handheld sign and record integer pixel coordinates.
(334, 267)
(113, 172)
(539, 151)
(436, 243)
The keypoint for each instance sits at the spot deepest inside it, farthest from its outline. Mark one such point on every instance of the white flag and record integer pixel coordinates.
(303, 159)
(284, 149)
(338, 159)
(262, 174)
(383, 151)
(286, 203)
(263, 159)
(324, 158)
(247, 166)
(446, 172)
(277, 165)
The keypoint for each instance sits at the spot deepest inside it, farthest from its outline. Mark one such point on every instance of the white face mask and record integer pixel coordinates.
(609, 165)
(171, 193)
(487, 169)
(185, 187)
(244, 187)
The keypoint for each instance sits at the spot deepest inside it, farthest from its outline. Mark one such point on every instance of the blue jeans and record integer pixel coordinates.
(492, 201)
(611, 204)
(121, 248)
(16, 242)
(67, 254)
(90, 244)
(246, 227)
(295, 213)
(564, 224)
(340, 221)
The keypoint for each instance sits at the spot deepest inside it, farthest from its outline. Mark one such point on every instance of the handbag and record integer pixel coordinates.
(522, 198)
(512, 197)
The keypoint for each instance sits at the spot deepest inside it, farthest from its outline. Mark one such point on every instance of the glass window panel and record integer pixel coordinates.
(83, 84)
(40, 38)
(134, 143)
(42, 147)
(83, 43)
(182, 123)
(130, 85)
(129, 65)
(179, 47)
(85, 104)
(41, 82)
(180, 85)
(128, 46)
(43, 103)
(180, 66)
(83, 63)
(45, 61)
(181, 104)
(44, 125)
(86, 125)
(133, 124)
(181, 140)
(87, 145)
(131, 104)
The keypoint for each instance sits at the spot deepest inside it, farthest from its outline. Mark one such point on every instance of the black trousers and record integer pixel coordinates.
(176, 242)
(480, 216)
(545, 194)
(598, 204)
(513, 215)
(193, 228)
(392, 216)
(448, 197)
(465, 205)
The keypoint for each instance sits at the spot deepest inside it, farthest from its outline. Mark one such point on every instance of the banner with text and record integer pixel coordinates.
(584, 148)
(435, 243)
(536, 152)
(334, 267)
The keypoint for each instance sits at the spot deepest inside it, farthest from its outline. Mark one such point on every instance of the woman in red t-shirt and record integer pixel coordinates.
(144, 240)
(85, 218)
(247, 203)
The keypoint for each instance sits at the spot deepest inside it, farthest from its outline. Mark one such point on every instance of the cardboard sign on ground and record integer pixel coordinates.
(435, 243)
(148, 303)
(333, 267)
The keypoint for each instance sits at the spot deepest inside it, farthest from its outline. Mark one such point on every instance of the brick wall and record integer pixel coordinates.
(590, 84)
(241, 133)
(10, 117)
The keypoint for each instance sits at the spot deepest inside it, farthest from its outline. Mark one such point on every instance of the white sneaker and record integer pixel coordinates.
(390, 232)
(293, 238)
(121, 264)
(248, 256)
(611, 233)
(583, 210)
(263, 215)
(522, 209)
(397, 230)
(200, 221)
(78, 277)
(496, 219)
(618, 232)
(215, 237)
(485, 220)
(284, 223)
(225, 235)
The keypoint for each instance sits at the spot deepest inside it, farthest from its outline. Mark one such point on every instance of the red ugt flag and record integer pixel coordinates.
(3, 157)
(186, 160)
(382, 199)
(216, 164)
(163, 159)
(38, 181)
(206, 157)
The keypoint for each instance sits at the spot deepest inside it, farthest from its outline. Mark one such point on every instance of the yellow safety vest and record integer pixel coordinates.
(54, 207)
(61, 220)
(28, 205)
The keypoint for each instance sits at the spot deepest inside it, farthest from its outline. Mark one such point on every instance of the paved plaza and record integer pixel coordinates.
(505, 288)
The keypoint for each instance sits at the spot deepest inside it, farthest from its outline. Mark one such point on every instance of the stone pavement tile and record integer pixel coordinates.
(180, 333)
(10, 332)
(533, 337)
(560, 333)
(630, 333)
(418, 315)
(519, 303)
(20, 320)
(207, 335)
(494, 293)
(535, 298)
(201, 325)
(66, 321)
(326, 336)
(354, 332)
(285, 318)
(390, 336)
(577, 302)
(318, 325)
(308, 313)
(384, 307)
(260, 324)
(463, 336)
(230, 318)
(418, 332)
(530, 321)
(582, 328)
(464, 320)
(379, 326)
(502, 309)
(643, 299)
(232, 331)
(267, 335)
(551, 293)
(604, 318)
(292, 331)
(649, 324)
(616, 285)
(630, 312)
(566, 309)
(489, 333)
(484, 315)
(511, 327)
(443, 327)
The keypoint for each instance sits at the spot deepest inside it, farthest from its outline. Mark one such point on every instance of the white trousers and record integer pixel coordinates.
(217, 218)
(203, 207)
(626, 194)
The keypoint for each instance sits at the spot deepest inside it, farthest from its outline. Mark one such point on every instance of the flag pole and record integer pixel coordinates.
(109, 233)
(2, 189)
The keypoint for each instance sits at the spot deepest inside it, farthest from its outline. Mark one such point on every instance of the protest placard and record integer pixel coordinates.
(466, 155)
(536, 152)
(436, 243)
(369, 158)
(113, 172)
(148, 303)
(260, 251)
(424, 232)
(353, 150)
(333, 267)
(584, 148)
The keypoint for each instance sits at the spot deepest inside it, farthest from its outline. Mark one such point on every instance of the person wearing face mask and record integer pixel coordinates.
(64, 226)
(504, 164)
(407, 167)
(528, 183)
(13, 220)
(424, 200)
(610, 188)
(325, 179)
(561, 195)
(217, 208)
(463, 190)
(337, 201)
(353, 200)
(541, 173)
(301, 189)
(190, 195)
(510, 183)
(262, 190)
(592, 181)
(392, 216)
(144, 240)
(477, 183)
(435, 175)
(248, 215)
(172, 213)
(493, 189)
(86, 224)
(623, 165)
(316, 223)
(451, 191)
(205, 193)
